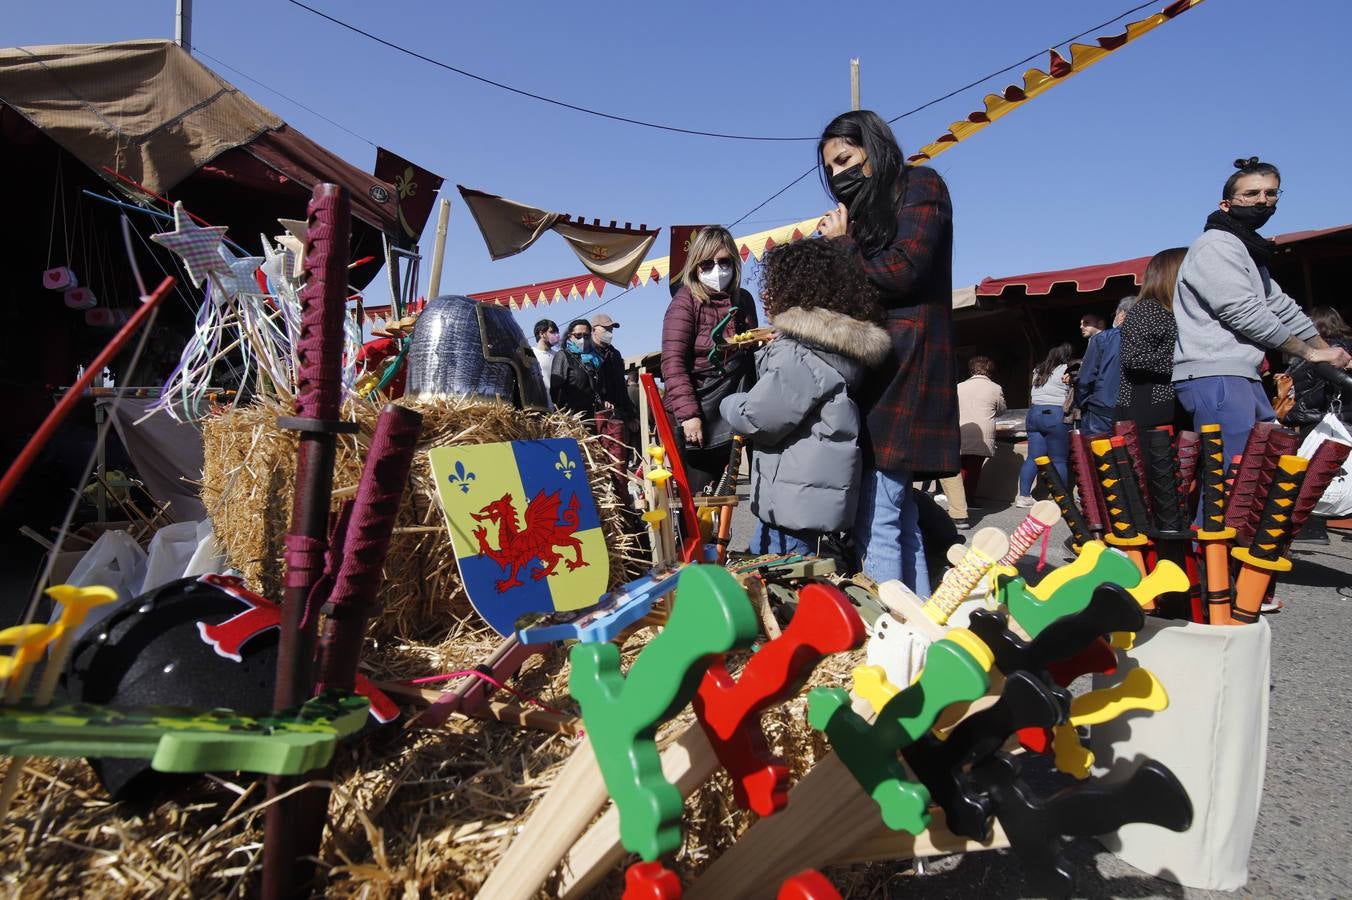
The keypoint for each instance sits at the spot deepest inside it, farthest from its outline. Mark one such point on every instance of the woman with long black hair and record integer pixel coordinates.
(897, 222)
(1048, 433)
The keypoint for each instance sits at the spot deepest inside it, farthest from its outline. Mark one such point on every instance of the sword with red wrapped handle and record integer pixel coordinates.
(1280, 442)
(319, 394)
(366, 539)
(1186, 447)
(1091, 493)
(1325, 464)
(1249, 480)
(1131, 436)
(1265, 557)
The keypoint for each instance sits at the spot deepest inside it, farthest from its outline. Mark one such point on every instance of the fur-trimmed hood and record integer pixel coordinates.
(836, 333)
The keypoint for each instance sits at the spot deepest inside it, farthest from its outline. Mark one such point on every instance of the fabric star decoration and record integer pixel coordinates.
(297, 230)
(279, 262)
(196, 245)
(238, 278)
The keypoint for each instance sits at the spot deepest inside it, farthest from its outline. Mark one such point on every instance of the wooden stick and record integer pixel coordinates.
(687, 763)
(936, 840)
(577, 795)
(827, 817)
(439, 249)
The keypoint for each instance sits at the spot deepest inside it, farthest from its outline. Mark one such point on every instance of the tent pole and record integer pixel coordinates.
(439, 249)
(183, 24)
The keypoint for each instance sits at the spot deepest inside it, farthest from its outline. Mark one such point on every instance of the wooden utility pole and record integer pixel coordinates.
(183, 25)
(854, 83)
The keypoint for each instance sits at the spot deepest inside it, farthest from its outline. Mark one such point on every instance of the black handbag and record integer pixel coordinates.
(735, 378)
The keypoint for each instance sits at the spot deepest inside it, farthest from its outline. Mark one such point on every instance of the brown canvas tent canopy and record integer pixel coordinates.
(148, 112)
(103, 118)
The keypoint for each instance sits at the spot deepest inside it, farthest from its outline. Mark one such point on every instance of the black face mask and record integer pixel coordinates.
(847, 183)
(1254, 217)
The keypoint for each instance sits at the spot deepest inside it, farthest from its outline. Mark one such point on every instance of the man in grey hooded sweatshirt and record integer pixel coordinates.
(1231, 313)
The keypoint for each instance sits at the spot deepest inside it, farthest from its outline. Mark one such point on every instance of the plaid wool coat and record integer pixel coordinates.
(911, 399)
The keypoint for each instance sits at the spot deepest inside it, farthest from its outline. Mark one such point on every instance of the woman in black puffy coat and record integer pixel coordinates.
(1313, 395)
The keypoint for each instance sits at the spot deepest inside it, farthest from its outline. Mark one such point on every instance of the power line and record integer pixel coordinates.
(198, 49)
(968, 86)
(604, 303)
(524, 93)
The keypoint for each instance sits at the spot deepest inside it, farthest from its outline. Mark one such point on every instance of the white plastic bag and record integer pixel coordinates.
(1336, 501)
(170, 550)
(1330, 428)
(115, 561)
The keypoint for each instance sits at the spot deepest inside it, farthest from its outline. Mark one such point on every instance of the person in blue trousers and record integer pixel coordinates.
(1048, 434)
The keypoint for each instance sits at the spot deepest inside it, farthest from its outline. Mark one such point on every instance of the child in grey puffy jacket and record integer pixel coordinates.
(799, 418)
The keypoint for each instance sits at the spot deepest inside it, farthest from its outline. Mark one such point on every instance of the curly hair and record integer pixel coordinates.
(817, 274)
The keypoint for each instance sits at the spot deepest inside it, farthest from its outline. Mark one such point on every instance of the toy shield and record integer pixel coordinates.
(524, 527)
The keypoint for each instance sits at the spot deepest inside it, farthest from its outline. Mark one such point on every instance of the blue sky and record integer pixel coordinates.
(1119, 161)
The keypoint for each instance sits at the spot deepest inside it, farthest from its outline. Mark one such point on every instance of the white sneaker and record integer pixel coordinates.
(1023, 502)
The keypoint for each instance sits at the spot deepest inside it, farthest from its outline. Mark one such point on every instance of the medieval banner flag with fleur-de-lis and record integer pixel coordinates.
(608, 251)
(524, 527)
(416, 190)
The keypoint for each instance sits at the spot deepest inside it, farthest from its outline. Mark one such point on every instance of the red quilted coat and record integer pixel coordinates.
(687, 331)
(911, 399)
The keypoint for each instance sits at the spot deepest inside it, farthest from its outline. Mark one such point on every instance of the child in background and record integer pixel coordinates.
(799, 416)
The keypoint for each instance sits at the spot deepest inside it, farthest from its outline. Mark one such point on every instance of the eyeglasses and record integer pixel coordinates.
(580, 334)
(1254, 195)
(707, 266)
(601, 327)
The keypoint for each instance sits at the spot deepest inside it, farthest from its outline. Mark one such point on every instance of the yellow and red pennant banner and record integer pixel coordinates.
(1035, 82)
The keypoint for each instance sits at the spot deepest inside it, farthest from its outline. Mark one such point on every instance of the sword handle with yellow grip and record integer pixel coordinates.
(1264, 557)
(1211, 460)
(1126, 512)
(1214, 535)
(989, 545)
(1056, 487)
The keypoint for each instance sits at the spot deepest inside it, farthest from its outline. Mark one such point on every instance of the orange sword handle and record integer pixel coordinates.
(1264, 558)
(1214, 535)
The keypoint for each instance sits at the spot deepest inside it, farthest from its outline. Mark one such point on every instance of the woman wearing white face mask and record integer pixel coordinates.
(710, 288)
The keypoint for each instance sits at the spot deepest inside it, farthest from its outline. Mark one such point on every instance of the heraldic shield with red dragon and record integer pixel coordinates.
(524, 526)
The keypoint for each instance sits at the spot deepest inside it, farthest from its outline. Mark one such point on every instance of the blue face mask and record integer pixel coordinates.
(577, 346)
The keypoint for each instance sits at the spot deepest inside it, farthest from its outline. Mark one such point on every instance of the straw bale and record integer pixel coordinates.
(249, 479)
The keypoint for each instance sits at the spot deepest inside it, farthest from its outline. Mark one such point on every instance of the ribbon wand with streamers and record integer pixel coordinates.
(318, 403)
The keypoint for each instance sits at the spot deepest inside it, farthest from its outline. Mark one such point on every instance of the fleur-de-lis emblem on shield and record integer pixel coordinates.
(565, 465)
(460, 477)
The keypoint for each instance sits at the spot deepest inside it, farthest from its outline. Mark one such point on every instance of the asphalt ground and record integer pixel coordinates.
(1302, 844)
